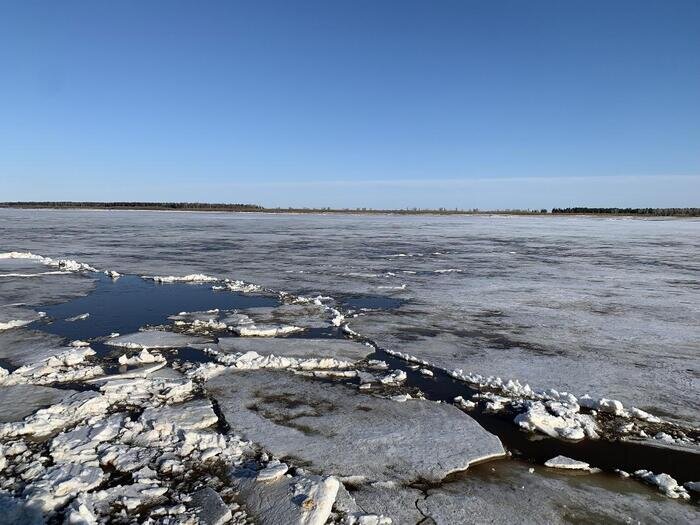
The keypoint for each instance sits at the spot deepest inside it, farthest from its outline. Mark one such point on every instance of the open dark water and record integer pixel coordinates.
(130, 302)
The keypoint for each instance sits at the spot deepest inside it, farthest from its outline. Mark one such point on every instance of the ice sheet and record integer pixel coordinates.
(497, 492)
(541, 299)
(327, 424)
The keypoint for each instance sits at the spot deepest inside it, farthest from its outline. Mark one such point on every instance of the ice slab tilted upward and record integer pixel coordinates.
(326, 425)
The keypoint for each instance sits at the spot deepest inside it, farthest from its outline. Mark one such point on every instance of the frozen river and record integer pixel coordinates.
(578, 309)
(586, 305)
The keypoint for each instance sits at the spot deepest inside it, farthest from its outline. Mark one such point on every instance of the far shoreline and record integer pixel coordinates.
(654, 213)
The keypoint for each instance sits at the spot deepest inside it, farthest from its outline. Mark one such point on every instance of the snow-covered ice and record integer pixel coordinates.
(191, 278)
(298, 500)
(496, 492)
(301, 348)
(155, 339)
(665, 483)
(563, 462)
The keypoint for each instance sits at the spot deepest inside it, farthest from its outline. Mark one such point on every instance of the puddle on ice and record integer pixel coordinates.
(130, 302)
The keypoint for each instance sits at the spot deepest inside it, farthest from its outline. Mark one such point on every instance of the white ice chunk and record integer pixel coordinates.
(272, 472)
(60, 483)
(395, 377)
(79, 317)
(191, 278)
(71, 410)
(665, 483)
(143, 357)
(301, 500)
(563, 462)
(192, 415)
(464, 403)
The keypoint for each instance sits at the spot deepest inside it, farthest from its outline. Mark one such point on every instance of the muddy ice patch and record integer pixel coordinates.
(324, 425)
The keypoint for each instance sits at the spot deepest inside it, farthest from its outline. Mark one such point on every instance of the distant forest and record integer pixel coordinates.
(659, 212)
(203, 206)
(135, 205)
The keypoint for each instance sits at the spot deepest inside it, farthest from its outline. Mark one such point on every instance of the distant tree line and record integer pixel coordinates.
(206, 206)
(199, 206)
(657, 212)
(136, 205)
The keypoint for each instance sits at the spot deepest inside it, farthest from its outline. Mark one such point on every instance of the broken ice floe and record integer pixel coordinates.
(341, 349)
(80, 317)
(71, 410)
(394, 378)
(562, 462)
(170, 438)
(62, 264)
(303, 500)
(143, 357)
(665, 483)
(405, 441)
(560, 420)
(238, 286)
(58, 368)
(496, 492)
(13, 323)
(210, 509)
(464, 403)
(257, 321)
(245, 326)
(191, 278)
(252, 361)
(155, 339)
(27, 347)
(35, 274)
(554, 413)
(21, 400)
(272, 471)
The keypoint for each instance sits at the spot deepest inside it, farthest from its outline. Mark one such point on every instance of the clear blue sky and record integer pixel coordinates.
(352, 103)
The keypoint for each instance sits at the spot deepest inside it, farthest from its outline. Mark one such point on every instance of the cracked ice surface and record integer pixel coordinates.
(327, 424)
(544, 300)
(581, 305)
